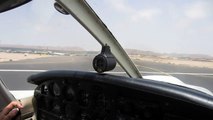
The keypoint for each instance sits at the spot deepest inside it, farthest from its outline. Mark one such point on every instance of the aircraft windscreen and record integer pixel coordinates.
(169, 38)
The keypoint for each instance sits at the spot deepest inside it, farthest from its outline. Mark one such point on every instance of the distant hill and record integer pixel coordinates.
(200, 57)
(58, 48)
(140, 52)
(175, 55)
(190, 55)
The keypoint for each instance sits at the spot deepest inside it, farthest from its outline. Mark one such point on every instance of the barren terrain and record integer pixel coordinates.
(4, 57)
(176, 61)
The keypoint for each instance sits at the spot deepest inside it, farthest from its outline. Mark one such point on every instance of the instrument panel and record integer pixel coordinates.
(70, 98)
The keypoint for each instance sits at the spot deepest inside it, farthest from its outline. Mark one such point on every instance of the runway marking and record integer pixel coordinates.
(142, 72)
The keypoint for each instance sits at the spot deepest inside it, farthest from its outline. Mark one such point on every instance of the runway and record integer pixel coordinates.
(15, 73)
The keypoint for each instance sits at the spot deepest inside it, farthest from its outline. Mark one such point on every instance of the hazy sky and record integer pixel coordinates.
(167, 26)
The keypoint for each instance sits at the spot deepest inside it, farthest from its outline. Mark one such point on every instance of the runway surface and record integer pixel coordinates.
(15, 73)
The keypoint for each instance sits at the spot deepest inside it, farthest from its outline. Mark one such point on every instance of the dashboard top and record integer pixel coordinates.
(152, 87)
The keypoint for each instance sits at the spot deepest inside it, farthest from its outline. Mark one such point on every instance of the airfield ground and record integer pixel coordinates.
(5, 57)
(175, 61)
(16, 71)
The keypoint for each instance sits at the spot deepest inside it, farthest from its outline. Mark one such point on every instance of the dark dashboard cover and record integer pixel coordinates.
(153, 87)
